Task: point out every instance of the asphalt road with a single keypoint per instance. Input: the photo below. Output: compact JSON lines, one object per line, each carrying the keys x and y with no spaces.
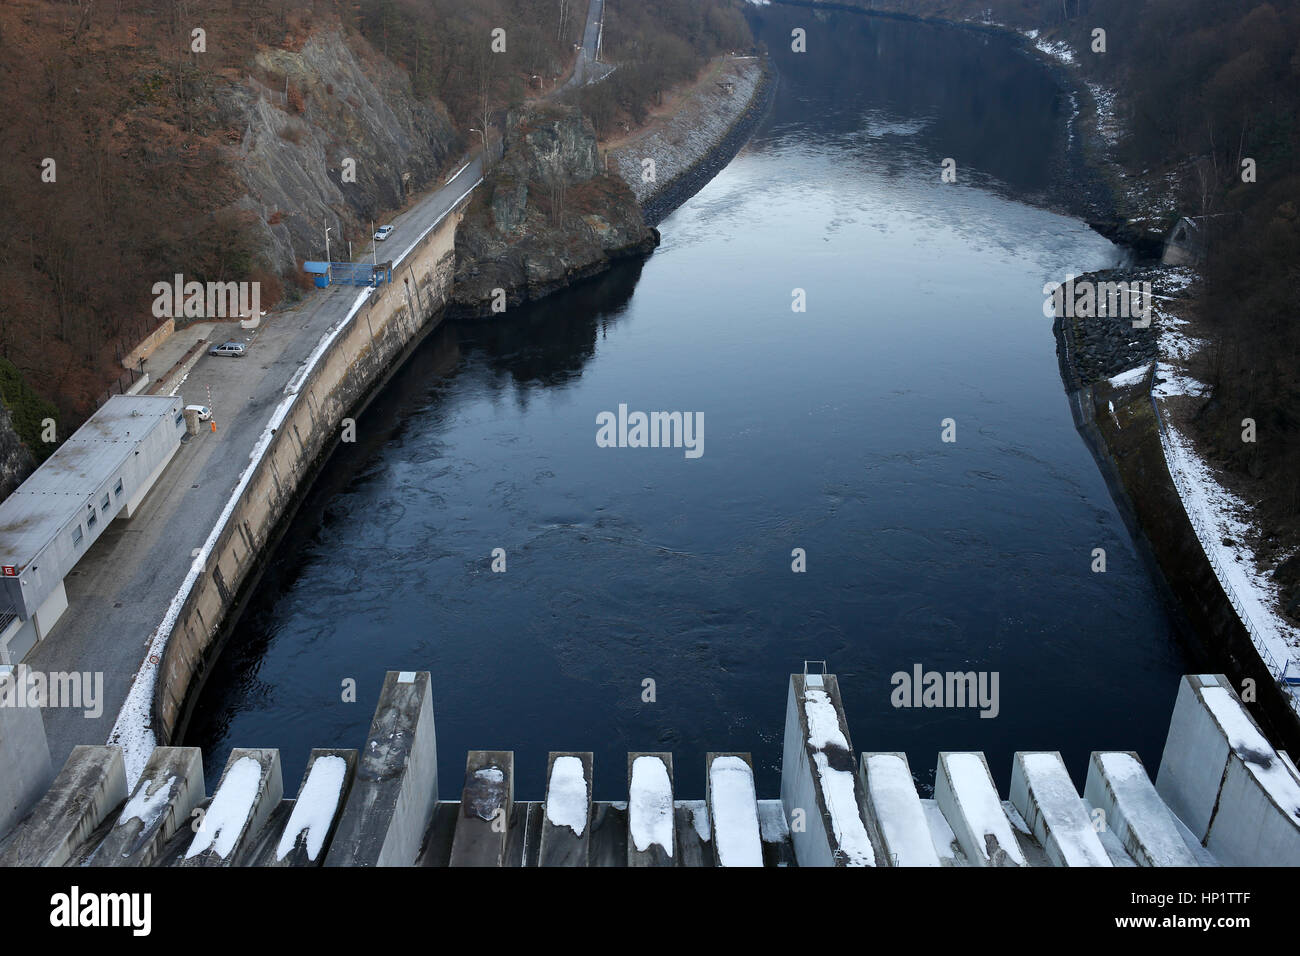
{"x":119,"y":592}
{"x":586,"y":69}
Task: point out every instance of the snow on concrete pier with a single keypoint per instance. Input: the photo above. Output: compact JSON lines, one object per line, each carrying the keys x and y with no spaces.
{"x":1223,"y":795}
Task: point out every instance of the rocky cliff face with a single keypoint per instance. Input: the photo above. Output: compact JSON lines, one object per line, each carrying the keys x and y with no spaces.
{"x":306,"y":113}
{"x":546,"y":217}
{"x":16,"y":462}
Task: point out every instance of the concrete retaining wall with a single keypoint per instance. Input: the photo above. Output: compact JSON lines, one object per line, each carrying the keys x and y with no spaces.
{"x":150,"y":342}
{"x":353,"y":363}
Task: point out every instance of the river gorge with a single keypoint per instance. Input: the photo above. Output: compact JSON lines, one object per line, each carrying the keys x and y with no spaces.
{"x":891,"y":480}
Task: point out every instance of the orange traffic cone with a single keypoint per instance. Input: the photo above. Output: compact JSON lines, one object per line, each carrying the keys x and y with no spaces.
{"x":214,"y":425}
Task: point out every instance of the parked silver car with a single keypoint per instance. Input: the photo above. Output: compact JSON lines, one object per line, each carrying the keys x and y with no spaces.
{"x":233,"y":349}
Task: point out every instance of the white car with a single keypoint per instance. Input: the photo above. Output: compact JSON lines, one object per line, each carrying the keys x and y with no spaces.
{"x":205,"y":413}
{"x":383,"y":233}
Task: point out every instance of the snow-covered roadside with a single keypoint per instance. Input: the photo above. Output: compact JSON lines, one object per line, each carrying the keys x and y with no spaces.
{"x":1220,"y":518}
{"x":1223,"y":525}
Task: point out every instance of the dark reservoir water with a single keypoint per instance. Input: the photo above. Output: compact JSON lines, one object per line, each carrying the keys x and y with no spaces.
{"x":822,"y":432}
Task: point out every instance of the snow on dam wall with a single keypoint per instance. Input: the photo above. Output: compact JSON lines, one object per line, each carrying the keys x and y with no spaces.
{"x":1239,"y":797}
{"x":1225,"y":797}
{"x":350,"y":363}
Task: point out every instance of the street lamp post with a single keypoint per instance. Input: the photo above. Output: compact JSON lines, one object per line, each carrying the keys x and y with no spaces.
{"x":483,"y":133}
{"x":329,"y":269}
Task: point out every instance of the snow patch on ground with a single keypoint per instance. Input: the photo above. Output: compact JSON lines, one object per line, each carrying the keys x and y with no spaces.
{"x":147,"y":804}
{"x":650,"y":805}
{"x":314,"y":810}
{"x":1222,"y":524}
{"x":566,"y":796}
{"x":735,"y":812}
{"x":229,"y":810}
{"x":1130,"y":378}
{"x":823,"y":721}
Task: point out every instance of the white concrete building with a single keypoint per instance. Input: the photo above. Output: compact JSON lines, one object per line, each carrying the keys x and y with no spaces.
{"x":51,"y":520}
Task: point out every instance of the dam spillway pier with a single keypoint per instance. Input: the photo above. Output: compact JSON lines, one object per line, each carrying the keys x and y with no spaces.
{"x":1222,"y":796}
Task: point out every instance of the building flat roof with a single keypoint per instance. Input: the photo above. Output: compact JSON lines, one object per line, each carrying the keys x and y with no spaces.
{"x":56,"y":492}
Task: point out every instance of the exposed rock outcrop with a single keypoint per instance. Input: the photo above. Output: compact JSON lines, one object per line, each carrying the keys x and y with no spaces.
{"x":330,"y":107}
{"x":546,"y":217}
{"x":16,"y":462}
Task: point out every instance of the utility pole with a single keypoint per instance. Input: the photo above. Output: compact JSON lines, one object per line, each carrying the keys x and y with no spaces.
{"x":329,"y":268}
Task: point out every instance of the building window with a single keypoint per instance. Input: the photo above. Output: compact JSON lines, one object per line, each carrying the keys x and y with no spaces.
{"x":91,"y":521}
{"x":117,"y":489}
{"x":76,"y":535}
{"x":103,"y":505}
{"x":180,"y":419}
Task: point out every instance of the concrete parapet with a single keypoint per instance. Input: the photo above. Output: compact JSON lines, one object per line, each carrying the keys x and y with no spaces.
{"x":90,"y":787}
{"x":1118,"y":785}
{"x":733,"y":809}
{"x":964,"y":791}
{"x":306,"y":835}
{"x":24,"y":754}
{"x":652,"y":839}
{"x":396,"y":786}
{"x":486,"y":805}
{"x":164,"y":797}
{"x":895,"y":810}
{"x":566,"y":820}
{"x":819,"y":778}
{"x":1042,"y":791}
{"x":1225,"y":781}
{"x":251,"y":788}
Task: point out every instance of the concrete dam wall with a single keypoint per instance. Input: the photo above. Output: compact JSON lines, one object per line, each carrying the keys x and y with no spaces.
{"x":344,"y":370}
{"x":1223,"y":796}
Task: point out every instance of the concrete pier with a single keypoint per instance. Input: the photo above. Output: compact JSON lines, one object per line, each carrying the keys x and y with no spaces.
{"x":1225,"y":781}
{"x":819,"y":778}
{"x":733,"y":810}
{"x":566,"y":821}
{"x":652,"y":836}
{"x":1118,"y":785}
{"x":251,"y":788}
{"x":486,"y":805}
{"x":24,"y":754}
{"x":964,"y":791}
{"x":313,"y":818}
{"x":396,"y":786}
{"x":160,"y":805}
{"x":90,"y":787}
{"x":379,"y":806}
{"x":896,"y":812}
{"x":1042,"y":791}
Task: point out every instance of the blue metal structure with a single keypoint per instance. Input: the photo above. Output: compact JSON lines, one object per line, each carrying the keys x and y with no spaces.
{"x":350,"y":273}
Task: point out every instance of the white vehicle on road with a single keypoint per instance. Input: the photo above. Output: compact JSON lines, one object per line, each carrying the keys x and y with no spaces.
{"x":204,"y":413}
{"x":383,"y":233}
